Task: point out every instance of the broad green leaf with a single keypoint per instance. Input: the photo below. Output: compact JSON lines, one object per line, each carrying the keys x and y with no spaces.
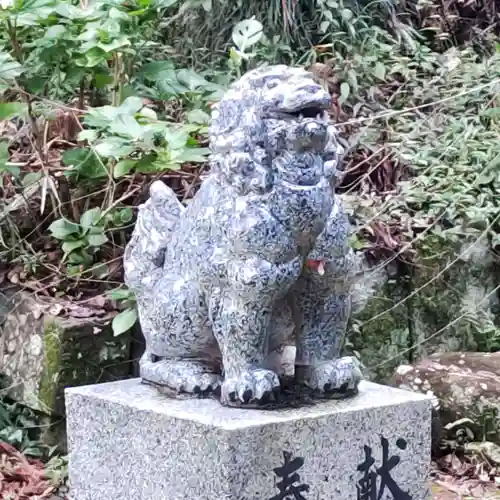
{"x":82,"y":257}
{"x":176,"y":138}
{"x":198,"y":116}
{"x":62,"y":229}
{"x":100,"y":117}
{"x":126,"y":125}
{"x":33,"y":5}
{"x":379,"y":71}
{"x":126,"y":214}
{"x":191,"y":79}
{"x":9,"y":68}
{"x":114,"y":45}
{"x":97,"y":240}
{"x":146,"y":163}
{"x":87,"y":135}
{"x":345,"y":90}
{"x":55,"y":31}
{"x":31,"y":177}
{"x":92,"y":58}
{"x":123,"y":167}
{"x":13,"y":170}
{"x":120,"y":294}
{"x":83,"y":162}
{"x":11,"y":109}
{"x":65,"y":9}
{"x":114,"y":147}
{"x":91,"y":217}
{"x":169,"y":84}
{"x":115,"y":13}
{"x":247,"y":33}
{"x":69,"y":246}
{"x":190,"y":155}
{"x":131,"y":105}
{"x":102,"y":79}
{"x":124,"y":321}
{"x":152,"y":71}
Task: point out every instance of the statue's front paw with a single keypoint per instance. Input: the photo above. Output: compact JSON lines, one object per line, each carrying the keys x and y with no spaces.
{"x":337,"y":377}
{"x":250,"y":386}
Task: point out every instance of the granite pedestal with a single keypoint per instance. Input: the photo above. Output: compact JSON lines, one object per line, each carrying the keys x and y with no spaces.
{"x":128,"y":442}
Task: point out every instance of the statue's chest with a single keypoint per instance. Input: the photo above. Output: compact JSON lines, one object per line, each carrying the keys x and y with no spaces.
{"x":302,"y":210}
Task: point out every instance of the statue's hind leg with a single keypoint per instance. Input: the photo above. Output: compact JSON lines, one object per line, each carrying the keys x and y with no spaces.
{"x":182,"y":354}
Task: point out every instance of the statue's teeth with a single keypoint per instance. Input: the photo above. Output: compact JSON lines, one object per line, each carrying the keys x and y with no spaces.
{"x":321,"y":268}
{"x":301,"y":116}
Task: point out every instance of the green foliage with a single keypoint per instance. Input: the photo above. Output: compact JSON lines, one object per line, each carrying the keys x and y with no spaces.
{"x":58,"y":46}
{"x":20,"y":427}
{"x":453,"y":149}
{"x":82,"y":241}
{"x":126,"y":318}
{"x":130,"y":137}
{"x":53,"y":49}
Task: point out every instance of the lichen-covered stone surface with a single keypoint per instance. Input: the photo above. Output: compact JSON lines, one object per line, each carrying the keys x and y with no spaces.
{"x":462,"y":385}
{"x":258,"y":260}
{"x":42,"y":351}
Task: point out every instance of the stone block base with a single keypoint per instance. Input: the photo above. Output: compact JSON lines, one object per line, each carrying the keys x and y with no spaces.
{"x":127,"y":441}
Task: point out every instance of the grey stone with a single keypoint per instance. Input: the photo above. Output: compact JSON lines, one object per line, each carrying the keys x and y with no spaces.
{"x":258,"y":260}
{"x":127,"y":441}
{"x":43,"y":350}
{"x":462,"y":385}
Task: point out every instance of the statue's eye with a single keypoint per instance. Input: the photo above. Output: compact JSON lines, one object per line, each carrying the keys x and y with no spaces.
{"x":272,"y":83}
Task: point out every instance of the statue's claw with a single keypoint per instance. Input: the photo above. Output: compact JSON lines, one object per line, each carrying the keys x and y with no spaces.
{"x":181,"y":376}
{"x":251,"y":386}
{"x":340,"y":376}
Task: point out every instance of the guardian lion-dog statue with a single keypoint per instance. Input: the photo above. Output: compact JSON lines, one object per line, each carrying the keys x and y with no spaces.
{"x":257,"y":260}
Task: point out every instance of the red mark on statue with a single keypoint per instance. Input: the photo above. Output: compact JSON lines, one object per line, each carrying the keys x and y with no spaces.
{"x":316,"y":265}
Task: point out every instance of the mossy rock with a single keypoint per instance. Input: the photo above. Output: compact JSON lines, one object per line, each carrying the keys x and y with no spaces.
{"x":42,"y":353}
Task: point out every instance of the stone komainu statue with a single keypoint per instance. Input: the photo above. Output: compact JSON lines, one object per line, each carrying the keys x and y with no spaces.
{"x":259,"y":259}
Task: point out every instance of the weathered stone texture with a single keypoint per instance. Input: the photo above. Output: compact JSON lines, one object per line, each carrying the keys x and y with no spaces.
{"x":260,"y":257}
{"x":42,"y":353}
{"x":462,"y":385}
{"x":127,"y":441}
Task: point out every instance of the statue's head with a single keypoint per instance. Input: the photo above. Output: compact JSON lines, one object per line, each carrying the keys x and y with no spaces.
{"x":269,"y":114}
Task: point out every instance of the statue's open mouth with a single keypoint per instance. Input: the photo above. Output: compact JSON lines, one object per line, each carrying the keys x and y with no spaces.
{"x":311,"y":111}
{"x":308,"y":112}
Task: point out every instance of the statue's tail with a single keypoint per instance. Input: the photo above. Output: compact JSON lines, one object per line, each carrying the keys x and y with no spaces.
{"x":157,"y":219}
